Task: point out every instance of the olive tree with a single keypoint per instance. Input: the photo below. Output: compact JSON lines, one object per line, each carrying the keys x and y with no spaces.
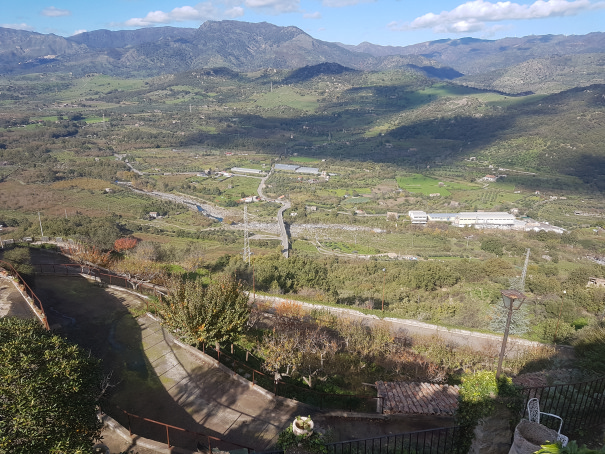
{"x":48,"y":391}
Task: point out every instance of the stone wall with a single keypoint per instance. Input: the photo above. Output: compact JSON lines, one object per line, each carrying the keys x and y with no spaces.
{"x":493,"y":435}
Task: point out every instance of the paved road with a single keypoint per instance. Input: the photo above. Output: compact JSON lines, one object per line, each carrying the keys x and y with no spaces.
{"x":488,"y":343}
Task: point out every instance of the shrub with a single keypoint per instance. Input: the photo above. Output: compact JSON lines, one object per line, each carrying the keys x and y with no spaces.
{"x":590,"y":346}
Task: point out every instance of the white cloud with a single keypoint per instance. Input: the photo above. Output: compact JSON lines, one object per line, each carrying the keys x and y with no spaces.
{"x":51,"y":11}
{"x":274,"y":6}
{"x":77,"y":32}
{"x":473,"y":15}
{"x":315,"y":15}
{"x":236,"y":11}
{"x":199,"y":12}
{"x":22,"y":26}
{"x":341,"y":3}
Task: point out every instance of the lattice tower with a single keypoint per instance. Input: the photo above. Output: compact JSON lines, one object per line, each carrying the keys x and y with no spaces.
{"x":246,"y":254}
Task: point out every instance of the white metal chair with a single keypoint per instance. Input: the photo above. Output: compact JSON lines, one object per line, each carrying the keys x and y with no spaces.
{"x":533,"y":412}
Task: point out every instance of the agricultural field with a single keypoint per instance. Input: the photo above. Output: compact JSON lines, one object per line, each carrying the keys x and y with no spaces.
{"x":387,"y":141}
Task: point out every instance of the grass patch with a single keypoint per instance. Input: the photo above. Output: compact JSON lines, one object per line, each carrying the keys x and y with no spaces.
{"x":287,"y":96}
{"x":349,"y":248}
{"x":422,"y":185}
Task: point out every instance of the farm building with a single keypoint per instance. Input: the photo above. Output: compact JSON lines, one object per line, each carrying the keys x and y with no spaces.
{"x":418,"y":217}
{"x":595,"y":282}
{"x":484,"y":218}
{"x":245,"y":170}
{"x":442,"y":217}
{"x":286,"y":167}
{"x":491,"y":178}
{"x":312,"y":170}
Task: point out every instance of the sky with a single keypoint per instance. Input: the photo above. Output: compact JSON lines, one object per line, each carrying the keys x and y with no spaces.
{"x":384,"y":22}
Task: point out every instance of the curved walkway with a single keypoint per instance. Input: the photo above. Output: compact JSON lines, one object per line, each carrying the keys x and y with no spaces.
{"x":218,"y":400}
{"x":155,"y":375}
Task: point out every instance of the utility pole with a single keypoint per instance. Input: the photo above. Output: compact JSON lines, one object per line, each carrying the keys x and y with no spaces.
{"x":524,"y":274}
{"x":40,"y":221}
{"x":384,"y":277}
{"x":560,"y":312}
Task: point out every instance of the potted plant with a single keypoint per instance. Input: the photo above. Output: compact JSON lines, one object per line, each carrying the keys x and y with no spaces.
{"x":302,"y":425}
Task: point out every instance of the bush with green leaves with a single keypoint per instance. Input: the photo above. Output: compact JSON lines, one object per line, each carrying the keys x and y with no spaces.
{"x":493,"y":245}
{"x":214,"y":313}
{"x":479,"y":393}
{"x":571,"y":448}
{"x":315,"y":442}
{"x":590,"y":346}
{"x":49,"y":390}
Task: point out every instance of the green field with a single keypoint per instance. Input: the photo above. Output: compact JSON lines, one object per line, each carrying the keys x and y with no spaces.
{"x":304,"y":160}
{"x":286,"y":96}
{"x":422,"y":185}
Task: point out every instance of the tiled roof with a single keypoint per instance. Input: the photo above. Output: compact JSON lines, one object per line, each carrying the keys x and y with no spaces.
{"x":417,"y":398}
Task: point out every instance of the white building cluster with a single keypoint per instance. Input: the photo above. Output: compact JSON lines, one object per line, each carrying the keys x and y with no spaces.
{"x":481,"y":219}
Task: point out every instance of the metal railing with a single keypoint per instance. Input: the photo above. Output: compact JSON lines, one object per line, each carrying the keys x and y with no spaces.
{"x":102,"y":276}
{"x":434,"y":441}
{"x":206,"y":441}
{"x":27,"y":289}
{"x":349,"y":402}
{"x":581,"y":405}
{"x":322,"y":400}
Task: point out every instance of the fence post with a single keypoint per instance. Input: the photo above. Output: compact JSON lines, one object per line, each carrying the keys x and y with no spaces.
{"x":168,"y":437}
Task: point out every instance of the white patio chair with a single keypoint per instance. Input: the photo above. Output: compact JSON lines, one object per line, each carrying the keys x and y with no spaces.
{"x":533,"y":412}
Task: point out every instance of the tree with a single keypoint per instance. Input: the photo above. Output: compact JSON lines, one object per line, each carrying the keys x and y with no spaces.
{"x":492,"y":245}
{"x":432,"y":275}
{"x":124,"y":244}
{"x":138,"y":271}
{"x":49,"y":391}
{"x":20,"y":259}
{"x":281,"y":352}
{"x":217,"y":313}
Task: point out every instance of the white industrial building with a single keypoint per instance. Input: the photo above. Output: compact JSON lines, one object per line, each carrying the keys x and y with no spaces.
{"x":493,"y":219}
{"x":484,"y":218}
{"x":418,"y":217}
{"x":442,"y":217}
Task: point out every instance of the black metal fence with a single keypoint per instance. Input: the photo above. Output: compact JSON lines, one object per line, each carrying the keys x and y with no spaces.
{"x":246,"y":364}
{"x":434,"y":441}
{"x":581,"y":405}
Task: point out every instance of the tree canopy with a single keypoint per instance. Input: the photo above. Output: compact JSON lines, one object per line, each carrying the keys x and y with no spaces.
{"x":49,"y":391}
{"x":216,"y":313}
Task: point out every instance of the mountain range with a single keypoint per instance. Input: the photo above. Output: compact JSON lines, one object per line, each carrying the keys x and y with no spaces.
{"x":511,"y":64}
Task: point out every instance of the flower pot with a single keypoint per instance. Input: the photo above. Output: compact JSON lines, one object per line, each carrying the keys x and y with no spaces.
{"x":303,"y":425}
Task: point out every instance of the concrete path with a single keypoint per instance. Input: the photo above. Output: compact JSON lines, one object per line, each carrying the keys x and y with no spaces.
{"x":193,"y":390}
{"x":216,"y":398}
{"x":12,"y":303}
